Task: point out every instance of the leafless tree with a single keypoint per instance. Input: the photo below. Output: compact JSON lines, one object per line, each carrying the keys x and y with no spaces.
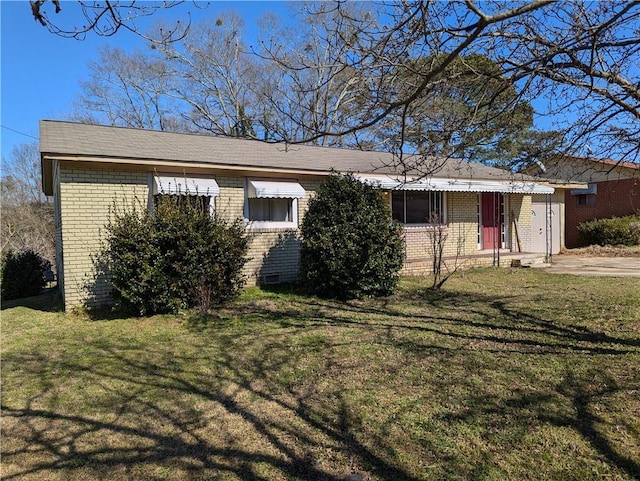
{"x":205,"y":83}
{"x":27,"y":216}
{"x":215,"y":78}
{"x":442,"y":269}
{"x":582,"y":57}
{"x":106,"y":18}
{"x":311,"y":85}
{"x":129,"y":90}
{"x":576,"y":60}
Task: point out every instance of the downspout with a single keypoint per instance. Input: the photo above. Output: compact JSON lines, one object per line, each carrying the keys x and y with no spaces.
{"x":548,"y":236}
{"x":496,"y":222}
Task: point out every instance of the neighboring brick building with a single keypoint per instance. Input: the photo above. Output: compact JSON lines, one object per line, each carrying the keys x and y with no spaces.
{"x":91,"y":169}
{"x":613,"y":190}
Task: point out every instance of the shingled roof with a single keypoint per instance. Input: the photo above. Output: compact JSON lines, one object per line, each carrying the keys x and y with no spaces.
{"x":76,"y":141}
{"x":68,"y":138}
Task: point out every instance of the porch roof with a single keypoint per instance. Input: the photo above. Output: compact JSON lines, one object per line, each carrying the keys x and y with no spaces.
{"x":513,"y":186}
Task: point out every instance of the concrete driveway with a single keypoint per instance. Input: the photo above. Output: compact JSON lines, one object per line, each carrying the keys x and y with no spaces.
{"x":596,"y":266}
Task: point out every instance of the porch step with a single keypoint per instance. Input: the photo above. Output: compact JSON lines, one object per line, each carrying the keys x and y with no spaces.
{"x":530,"y":260}
{"x":510,"y":259}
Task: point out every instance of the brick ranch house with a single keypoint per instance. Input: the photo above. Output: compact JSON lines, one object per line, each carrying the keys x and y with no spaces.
{"x":612,"y":189}
{"x":88,"y":167}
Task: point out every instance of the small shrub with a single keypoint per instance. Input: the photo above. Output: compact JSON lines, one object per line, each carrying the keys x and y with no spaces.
{"x":22,"y":274}
{"x":634,"y":228}
{"x":351,"y":248}
{"x":611,"y":231}
{"x":177,"y":257}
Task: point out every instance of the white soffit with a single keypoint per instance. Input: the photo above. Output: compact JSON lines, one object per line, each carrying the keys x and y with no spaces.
{"x":275,"y":189}
{"x":169,"y":184}
{"x":457,"y":185}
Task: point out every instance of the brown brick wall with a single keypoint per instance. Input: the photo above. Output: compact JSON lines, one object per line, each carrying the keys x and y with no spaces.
{"x":614,"y":198}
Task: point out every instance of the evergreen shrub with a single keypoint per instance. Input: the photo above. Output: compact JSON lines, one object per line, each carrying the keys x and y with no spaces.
{"x":611,"y":231}
{"x":177,"y":257}
{"x":22,"y":274}
{"x":351,"y":248}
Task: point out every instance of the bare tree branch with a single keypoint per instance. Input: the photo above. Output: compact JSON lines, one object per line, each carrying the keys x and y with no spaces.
{"x":365,"y":74}
{"x":107,"y":18}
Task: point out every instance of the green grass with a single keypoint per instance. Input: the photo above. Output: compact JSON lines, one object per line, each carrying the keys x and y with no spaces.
{"x":503,"y":375}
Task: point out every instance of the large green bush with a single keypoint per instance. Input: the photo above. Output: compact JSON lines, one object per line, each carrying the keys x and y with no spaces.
{"x":351,"y":248}
{"x":611,"y":231}
{"x":177,"y":257}
{"x":22,"y":274}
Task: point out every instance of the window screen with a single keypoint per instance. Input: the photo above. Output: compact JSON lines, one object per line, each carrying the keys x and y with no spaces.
{"x":417,"y":207}
{"x":272,"y":210}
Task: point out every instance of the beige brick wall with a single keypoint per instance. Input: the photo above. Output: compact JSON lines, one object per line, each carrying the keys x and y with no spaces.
{"x":461,"y":230}
{"x":86,"y":197}
{"x":274,"y":254}
{"x":57,"y":223}
{"x":519,"y":210}
{"x":230,"y":203}
{"x":462,"y":234}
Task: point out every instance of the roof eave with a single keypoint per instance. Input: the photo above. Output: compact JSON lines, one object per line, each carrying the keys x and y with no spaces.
{"x":181,"y":164}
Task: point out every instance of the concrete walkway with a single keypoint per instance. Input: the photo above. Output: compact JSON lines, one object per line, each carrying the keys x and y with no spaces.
{"x":596,"y":266}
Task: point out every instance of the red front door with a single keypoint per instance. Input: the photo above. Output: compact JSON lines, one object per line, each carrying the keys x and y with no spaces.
{"x":492,"y":205}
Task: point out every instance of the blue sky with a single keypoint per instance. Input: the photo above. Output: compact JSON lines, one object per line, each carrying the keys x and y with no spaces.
{"x":40,"y":72}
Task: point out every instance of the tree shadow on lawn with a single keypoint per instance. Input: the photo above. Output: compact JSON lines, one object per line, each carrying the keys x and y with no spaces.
{"x":575,"y":403}
{"x":244,"y":417}
{"x":49,"y":300}
{"x":289,"y":429}
{"x":497,"y":323}
{"x":236,"y":426}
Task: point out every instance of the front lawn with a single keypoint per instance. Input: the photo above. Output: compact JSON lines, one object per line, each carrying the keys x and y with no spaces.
{"x":503,"y":375}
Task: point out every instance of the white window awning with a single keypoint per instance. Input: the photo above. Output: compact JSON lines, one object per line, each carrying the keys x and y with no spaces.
{"x":275,"y":189}
{"x":176,"y":184}
{"x":458,"y":185}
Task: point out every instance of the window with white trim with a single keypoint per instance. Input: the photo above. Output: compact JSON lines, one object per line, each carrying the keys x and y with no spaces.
{"x":272,"y":203}
{"x":417,"y":207}
{"x":195,"y":191}
{"x":270,"y":210}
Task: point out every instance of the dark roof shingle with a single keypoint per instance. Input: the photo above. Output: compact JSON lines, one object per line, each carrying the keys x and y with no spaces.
{"x":68,"y":138}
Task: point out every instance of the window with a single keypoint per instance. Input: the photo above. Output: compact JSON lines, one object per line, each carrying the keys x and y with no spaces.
{"x":586,"y":199}
{"x":272,"y":203}
{"x":202,"y":202}
{"x":197,"y":191}
{"x":586,"y":196}
{"x":417,"y":207}
{"x":273,"y":210}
